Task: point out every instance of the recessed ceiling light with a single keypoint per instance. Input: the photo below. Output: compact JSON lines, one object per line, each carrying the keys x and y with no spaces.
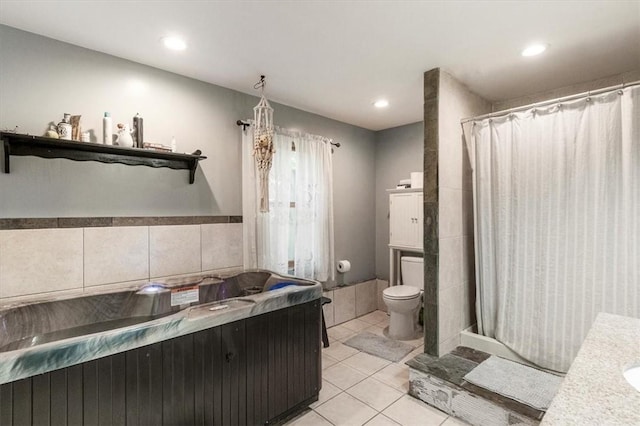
{"x":174,"y":43}
{"x":534,"y":49}
{"x":381,"y":103}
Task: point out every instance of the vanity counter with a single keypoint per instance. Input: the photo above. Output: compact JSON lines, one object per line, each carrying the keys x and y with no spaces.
{"x":595,"y":392}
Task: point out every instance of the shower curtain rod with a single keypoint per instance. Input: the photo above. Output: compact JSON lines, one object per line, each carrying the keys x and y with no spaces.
{"x":246,"y":124}
{"x":551,"y":101}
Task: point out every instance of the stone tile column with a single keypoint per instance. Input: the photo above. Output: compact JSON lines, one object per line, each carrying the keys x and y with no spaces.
{"x":431,"y":92}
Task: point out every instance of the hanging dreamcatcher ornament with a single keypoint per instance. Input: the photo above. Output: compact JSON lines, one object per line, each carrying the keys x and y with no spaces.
{"x":263,"y":149}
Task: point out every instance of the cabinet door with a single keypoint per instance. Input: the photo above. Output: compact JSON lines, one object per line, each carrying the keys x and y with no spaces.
{"x":401,"y":220}
{"x":419,"y":215}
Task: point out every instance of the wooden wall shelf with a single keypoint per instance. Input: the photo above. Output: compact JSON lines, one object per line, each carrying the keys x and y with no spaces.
{"x":21,"y":145}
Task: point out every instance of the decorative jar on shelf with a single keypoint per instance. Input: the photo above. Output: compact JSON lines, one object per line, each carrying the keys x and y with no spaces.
{"x":64,"y":127}
{"x":124,"y":136}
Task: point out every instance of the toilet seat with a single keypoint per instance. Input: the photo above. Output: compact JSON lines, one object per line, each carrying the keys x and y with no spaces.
{"x":401,"y":292}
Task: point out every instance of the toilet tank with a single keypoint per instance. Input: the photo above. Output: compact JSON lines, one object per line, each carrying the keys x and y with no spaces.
{"x":412,"y":271}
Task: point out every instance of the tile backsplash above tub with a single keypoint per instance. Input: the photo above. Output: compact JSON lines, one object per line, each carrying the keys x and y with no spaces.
{"x":52,"y":259}
{"x":115,"y":254}
{"x":38,"y":260}
{"x":350,"y":302}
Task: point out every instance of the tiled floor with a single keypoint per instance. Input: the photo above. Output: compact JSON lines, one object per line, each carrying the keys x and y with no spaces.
{"x":359,"y":389}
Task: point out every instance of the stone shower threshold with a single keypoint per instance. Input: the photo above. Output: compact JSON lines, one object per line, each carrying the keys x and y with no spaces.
{"x":447,"y":373}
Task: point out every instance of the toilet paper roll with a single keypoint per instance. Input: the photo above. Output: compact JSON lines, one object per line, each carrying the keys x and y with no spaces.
{"x":344,"y":266}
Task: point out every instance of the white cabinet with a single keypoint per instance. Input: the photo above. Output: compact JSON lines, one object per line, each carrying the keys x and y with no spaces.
{"x":405,"y":219}
{"x":405,"y":227}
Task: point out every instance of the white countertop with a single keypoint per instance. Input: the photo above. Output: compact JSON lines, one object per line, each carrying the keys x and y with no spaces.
{"x":595,"y":392}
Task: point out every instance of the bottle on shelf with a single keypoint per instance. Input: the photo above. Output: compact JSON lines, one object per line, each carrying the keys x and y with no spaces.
{"x":64,"y":127}
{"x":107,"y":129}
{"x":138,"y":131}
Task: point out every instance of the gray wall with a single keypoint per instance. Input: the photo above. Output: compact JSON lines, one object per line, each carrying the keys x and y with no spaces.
{"x":398,"y":153}
{"x":40,"y":79}
{"x":585,"y":86}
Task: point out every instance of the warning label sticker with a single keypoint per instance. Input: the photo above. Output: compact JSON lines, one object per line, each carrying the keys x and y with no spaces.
{"x":184,"y":295}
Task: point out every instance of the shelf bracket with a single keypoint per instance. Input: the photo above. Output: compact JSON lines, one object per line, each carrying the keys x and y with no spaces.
{"x":192,"y":171}
{"x":7,"y":154}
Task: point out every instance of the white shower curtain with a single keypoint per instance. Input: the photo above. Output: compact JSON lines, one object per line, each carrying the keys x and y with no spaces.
{"x":302,"y":178}
{"x":557,"y":215}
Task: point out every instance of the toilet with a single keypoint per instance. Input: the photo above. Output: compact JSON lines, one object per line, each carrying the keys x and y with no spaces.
{"x":403,"y":301}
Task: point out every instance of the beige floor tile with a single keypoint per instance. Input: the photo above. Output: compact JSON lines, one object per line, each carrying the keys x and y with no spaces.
{"x":340,"y":332}
{"x":327,"y":392}
{"x":365,"y":363}
{"x":384,"y":322}
{"x":375,"y":394}
{"x":356,"y":325}
{"x":346,"y":410}
{"x":374,"y":317}
{"x":396,"y":375}
{"x":339,"y":351}
{"x":343,"y":376}
{"x":408,"y":411}
{"x":328,"y":361}
{"x":419,"y":342}
{"x":308,"y":418}
{"x":381,"y":420}
{"x":452,"y":421}
{"x":419,"y":350}
{"x":376,"y":330}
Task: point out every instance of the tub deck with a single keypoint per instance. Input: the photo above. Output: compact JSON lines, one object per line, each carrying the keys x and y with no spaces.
{"x":47,"y":335}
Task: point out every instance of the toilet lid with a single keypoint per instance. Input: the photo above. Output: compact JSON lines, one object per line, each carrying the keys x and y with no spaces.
{"x":401,"y":292}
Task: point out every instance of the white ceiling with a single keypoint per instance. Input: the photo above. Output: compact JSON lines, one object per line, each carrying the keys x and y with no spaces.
{"x":334,"y":58}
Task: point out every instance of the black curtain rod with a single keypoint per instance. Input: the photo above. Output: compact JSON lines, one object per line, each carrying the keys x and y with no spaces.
{"x":246,"y":124}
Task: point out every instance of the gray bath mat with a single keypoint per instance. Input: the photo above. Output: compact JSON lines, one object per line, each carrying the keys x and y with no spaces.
{"x":380,"y":346}
{"x":524,"y":384}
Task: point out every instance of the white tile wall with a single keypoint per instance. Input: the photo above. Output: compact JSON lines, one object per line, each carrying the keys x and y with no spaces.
{"x":382,"y":284}
{"x":450,"y":215}
{"x":450,"y":312}
{"x":350,"y":301}
{"x":455,"y":210}
{"x":328,"y":309}
{"x":366,"y":297}
{"x":221,"y":245}
{"x":40,"y":260}
{"x":174,"y":250}
{"x":449,"y":262}
{"x":344,"y":299}
{"x":467,"y":303}
{"x":36,"y":261}
{"x":116,"y":254}
{"x":62,"y":260}
{"x":468,"y":261}
{"x":449,"y":345}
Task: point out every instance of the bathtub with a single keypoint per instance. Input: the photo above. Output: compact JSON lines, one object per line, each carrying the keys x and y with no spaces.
{"x":214,"y":349}
{"x":29,"y":324}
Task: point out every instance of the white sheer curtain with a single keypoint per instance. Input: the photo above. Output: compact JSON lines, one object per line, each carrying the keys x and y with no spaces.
{"x":299,"y":224}
{"x":557,"y":200}
{"x":314,"y":256}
